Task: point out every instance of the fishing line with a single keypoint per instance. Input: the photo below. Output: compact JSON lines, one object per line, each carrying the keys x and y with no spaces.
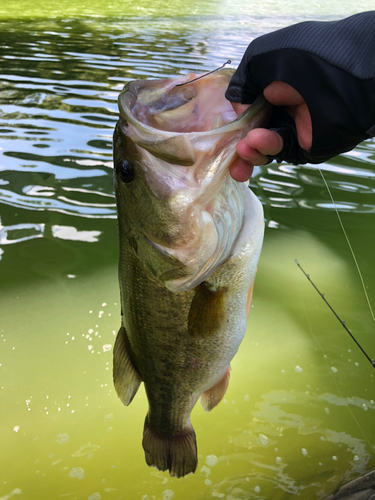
{"x":372,"y":361}
{"x":351,"y":249}
{"x":206,"y":74}
{"x":335,"y":382}
{"x":341,"y":321}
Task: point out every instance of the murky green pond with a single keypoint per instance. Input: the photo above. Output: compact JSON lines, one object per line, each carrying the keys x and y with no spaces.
{"x":299,"y":416}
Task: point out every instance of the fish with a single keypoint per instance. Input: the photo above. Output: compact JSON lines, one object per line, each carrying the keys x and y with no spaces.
{"x":190,"y":238}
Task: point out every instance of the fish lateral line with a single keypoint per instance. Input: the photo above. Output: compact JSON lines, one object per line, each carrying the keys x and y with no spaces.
{"x":206,"y":74}
{"x":372,"y":361}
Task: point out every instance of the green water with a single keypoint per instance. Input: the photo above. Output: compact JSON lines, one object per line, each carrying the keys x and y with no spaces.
{"x":298,"y":417}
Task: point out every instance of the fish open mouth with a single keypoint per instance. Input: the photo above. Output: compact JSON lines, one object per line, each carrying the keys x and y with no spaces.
{"x":175,"y":122}
{"x":183,"y":108}
{"x":186,"y":136}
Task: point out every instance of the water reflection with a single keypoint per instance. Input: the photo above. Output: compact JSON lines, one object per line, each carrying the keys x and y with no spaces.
{"x":20,"y":232}
{"x":62,"y":101}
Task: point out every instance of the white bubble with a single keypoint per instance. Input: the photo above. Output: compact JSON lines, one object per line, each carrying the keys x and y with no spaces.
{"x":104,"y":304}
{"x":334,"y":457}
{"x":16,"y":491}
{"x":62,"y":438}
{"x":334,"y":369}
{"x":86,"y":449}
{"x":94,"y":496}
{"x":263,"y":439}
{"x":107,"y":347}
{"x":298,"y":369}
{"x":304,"y":451}
{"x":278,"y":460}
{"x":356,"y":458}
{"x":168,"y":494}
{"x":211,"y":460}
{"x":77,"y":472}
{"x":257,"y":489}
{"x":246,"y":397}
{"x":16,"y":428}
{"x":89,"y":347}
{"x":206,"y":470}
{"x":364,"y":406}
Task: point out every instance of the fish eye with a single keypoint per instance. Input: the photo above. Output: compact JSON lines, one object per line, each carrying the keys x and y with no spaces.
{"x":126,"y":171}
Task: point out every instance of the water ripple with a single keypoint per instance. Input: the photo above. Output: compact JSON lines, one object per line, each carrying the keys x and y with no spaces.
{"x":58,"y":110}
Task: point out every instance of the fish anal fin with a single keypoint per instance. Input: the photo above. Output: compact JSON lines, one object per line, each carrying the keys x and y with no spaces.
{"x":213,"y":396}
{"x":207,"y":311}
{"x":126,"y":378}
{"x":175,"y":453}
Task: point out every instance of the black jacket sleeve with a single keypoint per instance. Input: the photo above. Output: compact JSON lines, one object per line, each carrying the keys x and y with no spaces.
{"x":332,"y":65}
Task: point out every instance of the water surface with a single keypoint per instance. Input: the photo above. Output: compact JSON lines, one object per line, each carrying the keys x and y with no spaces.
{"x":298,"y":418}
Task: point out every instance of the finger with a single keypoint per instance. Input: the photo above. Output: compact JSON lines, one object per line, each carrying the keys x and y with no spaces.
{"x":265,"y":142}
{"x":240,"y":170}
{"x":252,"y":155}
{"x":282,"y":94}
{"x":302,"y":118}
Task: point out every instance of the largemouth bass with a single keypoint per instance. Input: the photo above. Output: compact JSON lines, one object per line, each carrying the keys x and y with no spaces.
{"x":190,"y":240}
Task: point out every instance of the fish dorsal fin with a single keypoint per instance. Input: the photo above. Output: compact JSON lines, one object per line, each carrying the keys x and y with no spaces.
{"x":177,"y":149}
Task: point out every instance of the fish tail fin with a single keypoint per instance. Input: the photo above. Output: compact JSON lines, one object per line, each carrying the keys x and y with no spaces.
{"x":126,"y":378}
{"x":177,"y":453}
{"x":213,"y":396}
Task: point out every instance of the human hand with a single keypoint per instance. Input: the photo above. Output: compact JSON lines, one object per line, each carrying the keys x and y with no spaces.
{"x":260,"y":143}
{"x":320,"y":78}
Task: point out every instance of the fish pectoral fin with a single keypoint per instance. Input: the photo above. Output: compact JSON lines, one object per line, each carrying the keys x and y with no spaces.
{"x":126,"y":378}
{"x":207,"y":311}
{"x":213,"y":396}
{"x":176,"y":453}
